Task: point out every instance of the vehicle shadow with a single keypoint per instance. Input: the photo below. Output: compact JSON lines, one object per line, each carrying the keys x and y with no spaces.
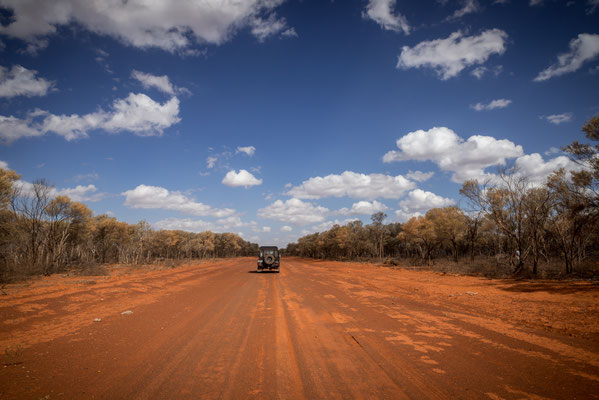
{"x":253,"y":271}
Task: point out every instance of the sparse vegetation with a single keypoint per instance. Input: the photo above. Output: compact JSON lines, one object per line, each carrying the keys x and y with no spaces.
{"x":507,"y":226}
{"x":44,"y":235}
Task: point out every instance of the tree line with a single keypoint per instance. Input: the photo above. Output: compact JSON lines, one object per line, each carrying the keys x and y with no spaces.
{"x":45,"y":234}
{"x":508,"y":218}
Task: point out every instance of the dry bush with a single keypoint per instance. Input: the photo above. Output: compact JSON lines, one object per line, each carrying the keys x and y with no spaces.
{"x":90,"y":269}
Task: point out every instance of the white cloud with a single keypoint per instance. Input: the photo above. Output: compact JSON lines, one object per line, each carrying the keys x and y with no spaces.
{"x":420,"y":200}
{"x":78,"y":193}
{"x":536,"y":170}
{"x":241,"y":178}
{"x":294,"y":211}
{"x":163,"y":24}
{"x":363,"y":208}
{"x":81,"y":193}
{"x":449,"y":56}
{"x":469,"y":6}
{"x":403,"y":216}
{"x":289,"y":33}
{"x":266,"y":229}
{"x":557,"y":119}
{"x":325,"y":226}
{"x":419,"y":175}
{"x":249,"y":150}
{"x":582,"y":49}
{"x":381,"y":12}
{"x":20,"y":81}
{"x":353,"y":185}
{"x":552,"y":150}
{"x":230,"y":222}
{"x":12,"y":128}
{"x":141,"y":115}
{"x":184,"y":224}
{"x":499,"y":103}
{"x":86,"y":177}
{"x":210,"y":161}
{"x":155,"y":197}
{"x":197,"y":225}
{"x":593,"y":5}
{"x":286,"y":228}
{"x":3,"y":164}
{"x":466,"y":159}
{"x":262,"y":28}
{"x":161,"y":83}
{"x":480,"y":71}
{"x":136,"y":113}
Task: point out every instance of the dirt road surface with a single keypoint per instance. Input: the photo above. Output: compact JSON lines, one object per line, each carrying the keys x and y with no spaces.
{"x":317,"y":330}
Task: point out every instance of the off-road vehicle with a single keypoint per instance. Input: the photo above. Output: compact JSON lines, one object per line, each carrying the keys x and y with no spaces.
{"x":268,"y":259}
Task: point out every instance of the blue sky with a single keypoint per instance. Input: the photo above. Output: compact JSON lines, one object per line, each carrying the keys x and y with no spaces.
{"x":274,"y":118}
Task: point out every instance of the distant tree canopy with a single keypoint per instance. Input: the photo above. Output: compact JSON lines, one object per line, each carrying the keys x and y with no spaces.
{"x":41,"y":234}
{"x":525,"y":222}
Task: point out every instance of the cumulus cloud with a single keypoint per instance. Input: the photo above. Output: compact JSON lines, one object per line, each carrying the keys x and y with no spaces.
{"x":79,"y":193}
{"x":420,"y":200}
{"x":449,"y":56}
{"x":419,"y":175}
{"x":466,"y":159}
{"x":161,"y":83}
{"x":499,"y":103}
{"x":184,"y":224}
{"x":352,"y":184}
{"x":582,"y":49}
{"x":286,"y":228}
{"x":12,"y":128}
{"x":294,"y":211}
{"x":324,"y":226}
{"x":381,"y":12}
{"x":249,"y":150}
{"x":241,"y":178}
{"x":156,"y":197}
{"x":363,"y":208}
{"x":20,"y":81}
{"x":536,"y":170}
{"x":3,"y":164}
{"x":137,"y":113}
{"x":468,"y":7}
{"x":167,"y":25}
{"x":557,"y":119}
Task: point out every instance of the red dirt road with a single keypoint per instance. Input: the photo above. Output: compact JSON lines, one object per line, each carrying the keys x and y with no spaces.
{"x":316,"y":330}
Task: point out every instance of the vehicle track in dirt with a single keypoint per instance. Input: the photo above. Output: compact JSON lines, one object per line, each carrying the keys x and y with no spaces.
{"x":316,"y":330}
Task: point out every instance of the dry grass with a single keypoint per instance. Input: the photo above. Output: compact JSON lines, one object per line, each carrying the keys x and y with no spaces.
{"x":497,"y":267}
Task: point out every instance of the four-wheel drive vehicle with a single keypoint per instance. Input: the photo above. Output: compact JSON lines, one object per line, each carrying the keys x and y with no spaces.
{"x":268,"y":259}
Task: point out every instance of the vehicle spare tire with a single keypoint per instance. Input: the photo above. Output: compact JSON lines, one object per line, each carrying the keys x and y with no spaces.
{"x":269,"y":259}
